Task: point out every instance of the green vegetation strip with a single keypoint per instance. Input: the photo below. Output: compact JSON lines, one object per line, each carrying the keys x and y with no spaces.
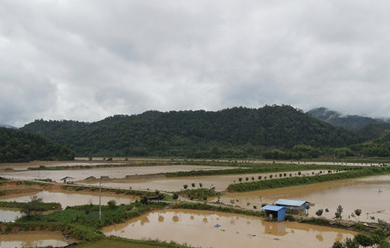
{"x":293,"y":181}
{"x":125,"y":243}
{"x":261,"y":168}
{"x":208,"y":207}
{"x":38,"y":206}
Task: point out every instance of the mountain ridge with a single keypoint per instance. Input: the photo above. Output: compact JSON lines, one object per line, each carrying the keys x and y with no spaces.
{"x":237,"y":131}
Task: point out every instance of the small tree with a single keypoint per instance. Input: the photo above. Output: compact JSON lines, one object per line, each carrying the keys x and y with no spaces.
{"x":358,"y":212}
{"x":111,"y":204}
{"x":259,"y":177}
{"x":200,"y":185}
{"x":185,"y":186}
{"x":337,"y":244}
{"x":319,"y":212}
{"x":364,"y":240}
{"x":193,"y":185}
{"x":351,"y":243}
{"x":338,"y":213}
{"x":30,"y":208}
{"x":240,"y":179}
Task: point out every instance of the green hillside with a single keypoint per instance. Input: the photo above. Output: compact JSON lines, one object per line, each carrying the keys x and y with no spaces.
{"x":235,"y":132}
{"x":18,"y":146}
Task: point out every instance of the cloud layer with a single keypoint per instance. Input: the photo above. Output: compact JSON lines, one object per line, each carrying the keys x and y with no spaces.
{"x":86,"y":60}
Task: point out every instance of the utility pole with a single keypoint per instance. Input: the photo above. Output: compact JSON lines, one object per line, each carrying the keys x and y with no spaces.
{"x":100,"y":200}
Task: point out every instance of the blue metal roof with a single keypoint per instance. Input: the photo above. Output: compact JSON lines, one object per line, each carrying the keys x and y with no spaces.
{"x":272,"y":208}
{"x":288,"y":202}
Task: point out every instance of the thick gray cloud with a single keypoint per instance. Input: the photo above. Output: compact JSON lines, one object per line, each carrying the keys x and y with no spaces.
{"x":86,"y":60}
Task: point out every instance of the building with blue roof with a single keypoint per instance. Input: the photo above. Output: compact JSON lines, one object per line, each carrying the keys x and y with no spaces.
{"x":274,"y":212}
{"x":293,"y":206}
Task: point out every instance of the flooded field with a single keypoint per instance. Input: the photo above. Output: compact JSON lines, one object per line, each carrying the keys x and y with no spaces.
{"x":69,"y":199}
{"x":370,"y":194}
{"x":220,"y":182}
{"x":32,"y":240}
{"x":7,"y":215}
{"x":198,"y":228}
{"x":111,"y":172}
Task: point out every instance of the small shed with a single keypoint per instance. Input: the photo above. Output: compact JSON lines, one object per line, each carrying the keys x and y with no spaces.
{"x":293,"y":206}
{"x":68,"y":180}
{"x":274,"y":212}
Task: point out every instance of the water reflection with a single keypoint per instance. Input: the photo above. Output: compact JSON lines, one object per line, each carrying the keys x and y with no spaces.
{"x":32,"y":240}
{"x":274,"y":228}
{"x":226,"y":230}
{"x":351,"y":194}
{"x":70,"y":199}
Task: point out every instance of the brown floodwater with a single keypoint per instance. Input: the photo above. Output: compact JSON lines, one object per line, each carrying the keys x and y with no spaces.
{"x":220,"y":182}
{"x":111,"y":172}
{"x":198,"y":228}
{"x":9,"y":215}
{"x":370,"y":194}
{"x":70,"y":199}
{"x":32,"y":240}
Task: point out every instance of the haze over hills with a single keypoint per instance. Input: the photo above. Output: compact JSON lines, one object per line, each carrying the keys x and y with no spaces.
{"x":7,"y":126}
{"x":349,"y":122}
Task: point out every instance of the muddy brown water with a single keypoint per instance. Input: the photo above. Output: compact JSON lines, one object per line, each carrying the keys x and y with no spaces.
{"x":198,"y":228}
{"x":370,"y":194}
{"x":69,"y":199}
{"x":111,"y":172}
{"x":220,"y":182}
{"x":9,"y":215}
{"x":38,"y":239}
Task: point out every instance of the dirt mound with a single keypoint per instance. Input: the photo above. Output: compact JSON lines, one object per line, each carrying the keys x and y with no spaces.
{"x":91,"y":178}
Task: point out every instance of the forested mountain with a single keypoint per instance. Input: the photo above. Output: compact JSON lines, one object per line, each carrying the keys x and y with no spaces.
{"x":234,"y":132}
{"x":19,"y":146}
{"x":349,"y":122}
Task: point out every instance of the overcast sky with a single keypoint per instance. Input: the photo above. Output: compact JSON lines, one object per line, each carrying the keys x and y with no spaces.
{"x":86,"y":60}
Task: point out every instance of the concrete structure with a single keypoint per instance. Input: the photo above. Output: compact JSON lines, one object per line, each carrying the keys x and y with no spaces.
{"x":274,"y":212}
{"x":293,"y":206}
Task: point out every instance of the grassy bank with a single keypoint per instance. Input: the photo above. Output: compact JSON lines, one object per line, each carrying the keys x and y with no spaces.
{"x":260,"y":168}
{"x":125,"y":243}
{"x":208,"y":207}
{"x":39,"y":206}
{"x":294,"y":181}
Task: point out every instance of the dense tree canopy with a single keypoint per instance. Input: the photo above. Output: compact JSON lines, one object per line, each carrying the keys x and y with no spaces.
{"x":18,"y":146}
{"x":235,"y":132}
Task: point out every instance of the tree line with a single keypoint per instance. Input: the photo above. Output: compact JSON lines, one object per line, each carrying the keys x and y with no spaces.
{"x":19,"y":146}
{"x":236,"y":132}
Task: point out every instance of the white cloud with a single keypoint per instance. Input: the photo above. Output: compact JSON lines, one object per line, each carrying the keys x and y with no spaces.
{"x":86,"y":60}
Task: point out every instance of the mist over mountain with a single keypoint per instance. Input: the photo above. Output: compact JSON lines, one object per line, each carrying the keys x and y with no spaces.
{"x":7,"y":126}
{"x":349,"y":122}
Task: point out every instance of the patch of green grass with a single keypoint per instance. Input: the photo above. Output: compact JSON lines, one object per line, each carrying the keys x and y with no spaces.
{"x":126,"y":243}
